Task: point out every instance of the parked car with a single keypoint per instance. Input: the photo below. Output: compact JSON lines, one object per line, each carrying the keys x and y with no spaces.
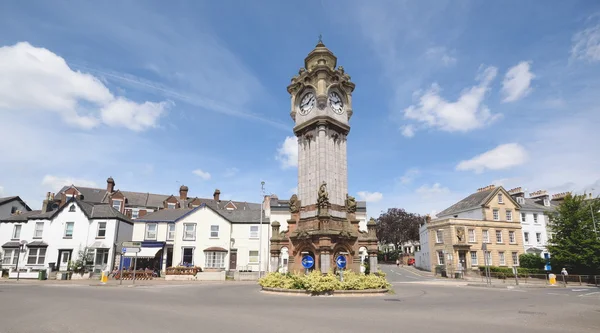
{"x":411,"y":261}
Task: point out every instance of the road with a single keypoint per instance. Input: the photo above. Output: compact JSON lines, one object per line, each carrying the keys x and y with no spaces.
{"x":241,"y":307}
{"x":404,"y":273}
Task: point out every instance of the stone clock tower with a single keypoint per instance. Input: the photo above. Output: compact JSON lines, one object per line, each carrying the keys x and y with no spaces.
{"x":323,"y":222}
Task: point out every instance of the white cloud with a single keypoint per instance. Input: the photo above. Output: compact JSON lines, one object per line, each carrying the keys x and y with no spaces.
{"x":432,"y":191}
{"x":370,"y":196}
{"x":230,"y":172}
{"x":409,"y":175}
{"x":202,"y":174}
{"x":287,"y":153}
{"x":442,"y":55}
{"x":408,"y":131}
{"x":55,"y":183}
{"x":502,"y":157}
{"x":35,"y":79}
{"x":586,"y":44}
{"x":517,"y":82}
{"x":465,"y":114}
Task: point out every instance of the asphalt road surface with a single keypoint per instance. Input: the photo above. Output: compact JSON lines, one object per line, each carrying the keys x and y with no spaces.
{"x":241,"y":307}
{"x":404,"y":273}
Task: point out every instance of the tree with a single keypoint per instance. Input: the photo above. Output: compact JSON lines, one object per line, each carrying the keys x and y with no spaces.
{"x":530,"y":260}
{"x":575,"y":244}
{"x":397,"y":226}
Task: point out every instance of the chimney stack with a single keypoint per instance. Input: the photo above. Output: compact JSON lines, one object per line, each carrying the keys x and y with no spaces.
{"x":216,"y":195}
{"x":46,"y":202}
{"x":110,"y":185}
{"x":489,"y":187}
{"x":517,"y":192}
{"x":183,"y":191}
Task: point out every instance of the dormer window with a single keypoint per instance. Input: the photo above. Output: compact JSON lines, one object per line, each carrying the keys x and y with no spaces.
{"x":546,"y":202}
{"x":521,"y":200}
{"x":170,"y":205}
{"x":117,"y":204}
{"x":500,"y":199}
{"x":72,"y":208}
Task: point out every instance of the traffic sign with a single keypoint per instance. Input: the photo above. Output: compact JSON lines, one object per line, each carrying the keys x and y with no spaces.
{"x":132,"y":244}
{"x":307,"y":261}
{"x":131,"y":250}
{"x":341,"y":262}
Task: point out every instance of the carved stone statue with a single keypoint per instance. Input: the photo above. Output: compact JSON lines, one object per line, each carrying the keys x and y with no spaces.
{"x":350,"y":204}
{"x":323,"y":198}
{"x":294,"y":204}
{"x":460,"y":234}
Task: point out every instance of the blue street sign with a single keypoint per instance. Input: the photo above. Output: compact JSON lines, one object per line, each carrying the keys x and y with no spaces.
{"x":124,"y":250}
{"x":307,"y":261}
{"x":341,"y":262}
{"x":548,"y":268}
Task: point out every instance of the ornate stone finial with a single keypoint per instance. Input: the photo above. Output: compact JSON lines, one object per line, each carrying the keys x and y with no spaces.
{"x":371,"y":222}
{"x":320,"y":39}
{"x":350,"y":204}
{"x":460,"y":234}
{"x":294,"y":204}
{"x":323,"y":198}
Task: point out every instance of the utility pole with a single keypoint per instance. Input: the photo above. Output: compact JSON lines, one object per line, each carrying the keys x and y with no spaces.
{"x":262,"y":202}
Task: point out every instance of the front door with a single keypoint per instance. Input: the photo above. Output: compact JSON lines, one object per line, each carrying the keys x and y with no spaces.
{"x":233,"y":260}
{"x":64,"y":256}
{"x":169,"y":257}
{"x":462,"y":259}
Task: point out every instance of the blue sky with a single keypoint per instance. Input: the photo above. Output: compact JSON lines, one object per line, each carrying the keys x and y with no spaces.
{"x":450,"y":96}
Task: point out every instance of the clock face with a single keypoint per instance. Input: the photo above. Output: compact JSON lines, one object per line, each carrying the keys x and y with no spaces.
{"x":307,"y":103}
{"x":335,"y":102}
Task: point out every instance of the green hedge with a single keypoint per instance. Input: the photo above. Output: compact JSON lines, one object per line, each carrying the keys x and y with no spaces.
{"x":507,"y":272}
{"x":316,"y":282}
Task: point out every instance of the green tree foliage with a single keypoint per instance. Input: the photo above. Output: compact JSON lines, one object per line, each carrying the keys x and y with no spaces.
{"x":575,"y":244}
{"x":530,"y":260}
{"x":397,"y":226}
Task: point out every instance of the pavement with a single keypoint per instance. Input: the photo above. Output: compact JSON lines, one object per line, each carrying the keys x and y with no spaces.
{"x":416,"y":304}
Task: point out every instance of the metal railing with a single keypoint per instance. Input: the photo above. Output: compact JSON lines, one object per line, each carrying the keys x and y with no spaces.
{"x":581,"y":280}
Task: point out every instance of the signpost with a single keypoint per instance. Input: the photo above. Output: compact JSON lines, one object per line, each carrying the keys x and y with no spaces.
{"x":341,"y":264}
{"x":307,"y":262}
{"x":131,"y":247}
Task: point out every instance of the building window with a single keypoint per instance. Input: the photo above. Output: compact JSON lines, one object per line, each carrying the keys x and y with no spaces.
{"x":471,"y":235}
{"x":135,"y":214}
{"x":509,"y":215}
{"x":485,"y":236}
{"x":72,"y":208}
{"x":439,"y":236}
{"x":538,"y":237}
{"x":253,"y":231}
{"x":16,"y":232}
{"x":171,"y":205}
{"x":101,"y":230}
{"x":523,"y":217}
{"x":189,"y":231}
{"x":151,"y":231}
{"x":496,"y":215}
{"x":253,"y":257}
{"x":500,"y":199}
{"x":502,"y":258}
{"x":13,"y":209}
{"x":69,"y":229}
{"x":488,"y":257}
{"x":101,"y":257}
{"x":215,"y":259}
{"x":515,"y":258}
{"x":474,"y":261}
{"x":440,"y":257}
{"x":36,"y":256}
{"x":546,"y":202}
{"x":117,"y":204}
{"x":39,"y":230}
{"x":521,"y":200}
{"x":526,"y":237}
{"x":214,"y":231}
{"x":171,"y":231}
{"x":498,"y":236}
{"x":535,"y":218}
{"x":188,"y":256}
{"x":10,"y":256}
{"x":511,"y":237}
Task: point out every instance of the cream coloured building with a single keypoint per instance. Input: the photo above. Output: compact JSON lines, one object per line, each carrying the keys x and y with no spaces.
{"x":456,"y":238}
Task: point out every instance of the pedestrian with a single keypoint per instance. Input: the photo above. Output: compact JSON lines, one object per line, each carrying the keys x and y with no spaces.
{"x":564,"y":274}
{"x":397,"y":262}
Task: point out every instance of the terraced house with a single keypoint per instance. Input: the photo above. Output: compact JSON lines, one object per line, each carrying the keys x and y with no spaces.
{"x":455,"y":239}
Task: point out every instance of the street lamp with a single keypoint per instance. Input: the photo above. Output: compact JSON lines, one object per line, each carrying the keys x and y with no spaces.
{"x":22,"y":247}
{"x":262,"y":201}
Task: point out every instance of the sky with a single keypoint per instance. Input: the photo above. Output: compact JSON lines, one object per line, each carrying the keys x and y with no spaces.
{"x":450,"y":96}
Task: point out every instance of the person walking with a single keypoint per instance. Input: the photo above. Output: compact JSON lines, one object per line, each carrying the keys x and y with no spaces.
{"x":397,"y":262}
{"x":564,"y":274}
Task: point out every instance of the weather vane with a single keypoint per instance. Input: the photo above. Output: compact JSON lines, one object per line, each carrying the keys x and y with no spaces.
{"x":320,"y":38}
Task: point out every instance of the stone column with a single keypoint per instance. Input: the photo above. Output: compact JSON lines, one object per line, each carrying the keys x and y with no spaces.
{"x":274,"y":267}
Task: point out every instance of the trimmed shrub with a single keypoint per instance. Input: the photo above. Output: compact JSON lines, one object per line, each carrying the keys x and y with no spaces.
{"x":316,"y":282}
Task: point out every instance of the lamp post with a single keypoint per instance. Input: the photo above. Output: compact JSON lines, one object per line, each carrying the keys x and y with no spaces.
{"x":22,"y":247}
{"x":262,"y":201}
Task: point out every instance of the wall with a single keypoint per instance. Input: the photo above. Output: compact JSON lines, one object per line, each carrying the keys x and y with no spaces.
{"x":244,"y":244}
{"x":532,"y":228}
{"x":6,"y":208}
{"x":422,"y":258}
{"x":139,"y":231}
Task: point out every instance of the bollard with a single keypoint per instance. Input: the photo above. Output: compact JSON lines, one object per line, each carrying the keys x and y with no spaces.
{"x":103,"y":278}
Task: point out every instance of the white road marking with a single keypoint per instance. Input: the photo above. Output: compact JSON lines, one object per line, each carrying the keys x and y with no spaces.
{"x":578,"y":289}
{"x":589,"y":294}
{"x":558,"y":294}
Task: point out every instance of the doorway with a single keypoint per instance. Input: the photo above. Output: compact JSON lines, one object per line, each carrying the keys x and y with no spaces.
{"x":233,"y":260}
{"x":169,"y":257}
{"x":462,"y":261}
{"x":64,"y":256}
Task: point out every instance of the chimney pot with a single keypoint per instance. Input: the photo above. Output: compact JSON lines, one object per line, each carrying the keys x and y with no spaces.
{"x":183,"y":191}
{"x":110,"y":185}
{"x":216,"y":195}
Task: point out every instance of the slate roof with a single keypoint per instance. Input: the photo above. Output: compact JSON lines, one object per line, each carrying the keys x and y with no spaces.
{"x":531,"y":204}
{"x":234,"y":216}
{"x":20,"y":217}
{"x":472,"y":201}
{"x":165,"y":215}
{"x":4,"y":200}
{"x":93,"y":211}
{"x":11,"y":244}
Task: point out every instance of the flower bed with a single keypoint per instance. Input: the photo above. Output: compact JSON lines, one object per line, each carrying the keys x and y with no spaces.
{"x":182,"y":270}
{"x":317,"y":283}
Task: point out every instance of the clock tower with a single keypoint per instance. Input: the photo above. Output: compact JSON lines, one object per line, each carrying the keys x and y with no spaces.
{"x":323,"y":221}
